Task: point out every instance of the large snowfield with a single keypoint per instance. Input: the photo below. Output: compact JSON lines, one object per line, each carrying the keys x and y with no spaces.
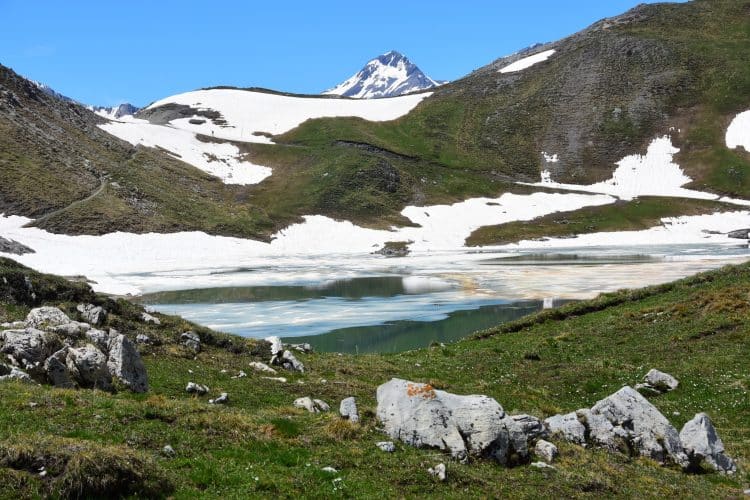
{"x":250,"y":117}
{"x":119,"y":262}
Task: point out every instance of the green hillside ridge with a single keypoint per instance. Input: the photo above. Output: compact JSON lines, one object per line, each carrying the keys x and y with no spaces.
{"x":96,"y":443}
{"x":605,"y":93}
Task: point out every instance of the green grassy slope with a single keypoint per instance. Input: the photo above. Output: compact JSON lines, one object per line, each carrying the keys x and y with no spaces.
{"x":259,"y":445}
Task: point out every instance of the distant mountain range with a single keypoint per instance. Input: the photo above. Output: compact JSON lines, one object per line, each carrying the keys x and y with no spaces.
{"x":109,"y":112}
{"x":388,"y":75}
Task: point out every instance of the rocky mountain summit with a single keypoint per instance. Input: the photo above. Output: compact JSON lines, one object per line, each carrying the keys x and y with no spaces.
{"x":388,"y":75}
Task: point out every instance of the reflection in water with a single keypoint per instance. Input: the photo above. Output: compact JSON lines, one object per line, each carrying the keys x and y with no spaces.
{"x":358,"y":288}
{"x":379,"y":305}
{"x":405,"y":335}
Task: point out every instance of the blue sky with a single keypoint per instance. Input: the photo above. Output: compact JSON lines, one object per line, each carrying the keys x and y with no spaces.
{"x":106,"y":52}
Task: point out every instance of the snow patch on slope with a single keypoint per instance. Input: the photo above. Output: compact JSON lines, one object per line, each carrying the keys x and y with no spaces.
{"x":654,"y":174}
{"x":738,"y":132}
{"x":110,"y":259}
{"x":220,"y":159}
{"x":249,"y":114}
{"x":527,"y":62}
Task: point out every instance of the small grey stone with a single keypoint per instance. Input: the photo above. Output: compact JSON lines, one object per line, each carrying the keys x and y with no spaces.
{"x":545,"y":450}
{"x":663,"y":382}
{"x":199,"y":389}
{"x":386,"y":446}
{"x":96,"y":315}
{"x":168,"y":451}
{"x":147,"y":318}
{"x":438,"y":471}
{"x":142,"y":338}
{"x":348,"y":409}
{"x":192,"y":341}
{"x":221,"y":400}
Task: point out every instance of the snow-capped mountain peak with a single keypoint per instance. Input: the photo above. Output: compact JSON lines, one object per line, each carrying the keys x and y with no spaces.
{"x":387,"y":75}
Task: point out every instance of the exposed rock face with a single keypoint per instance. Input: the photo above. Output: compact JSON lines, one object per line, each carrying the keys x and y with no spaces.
{"x":87,"y":366}
{"x":465,"y":426}
{"x":46,"y":317}
{"x":13,"y":247}
{"x":125,"y":364}
{"x":703,"y":444}
{"x":740,"y":234}
{"x":348,"y":409}
{"x":94,"y":315}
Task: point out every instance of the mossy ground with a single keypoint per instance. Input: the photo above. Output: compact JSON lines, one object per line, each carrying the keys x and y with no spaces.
{"x":259,"y":445}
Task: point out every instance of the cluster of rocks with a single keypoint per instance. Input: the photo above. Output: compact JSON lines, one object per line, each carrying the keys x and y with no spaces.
{"x":49,"y":347}
{"x":283,"y":357}
{"x":626,"y":421}
{"x":477,"y":426}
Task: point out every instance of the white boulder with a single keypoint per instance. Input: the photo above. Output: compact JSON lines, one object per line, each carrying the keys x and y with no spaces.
{"x":472,"y":425}
{"x":125,"y":364}
{"x":703,"y":444}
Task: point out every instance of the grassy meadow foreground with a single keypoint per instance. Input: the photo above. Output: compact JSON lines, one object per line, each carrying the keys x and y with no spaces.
{"x":93,"y":443}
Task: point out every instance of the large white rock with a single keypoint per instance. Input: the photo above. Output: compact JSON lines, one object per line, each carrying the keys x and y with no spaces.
{"x":46,"y":317}
{"x":648,"y":431}
{"x":702,"y":443}
{"x":125,"y":364}
{"x":465,"y":426}
{"x":87,"y":366}
{"x":567,"y":427}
